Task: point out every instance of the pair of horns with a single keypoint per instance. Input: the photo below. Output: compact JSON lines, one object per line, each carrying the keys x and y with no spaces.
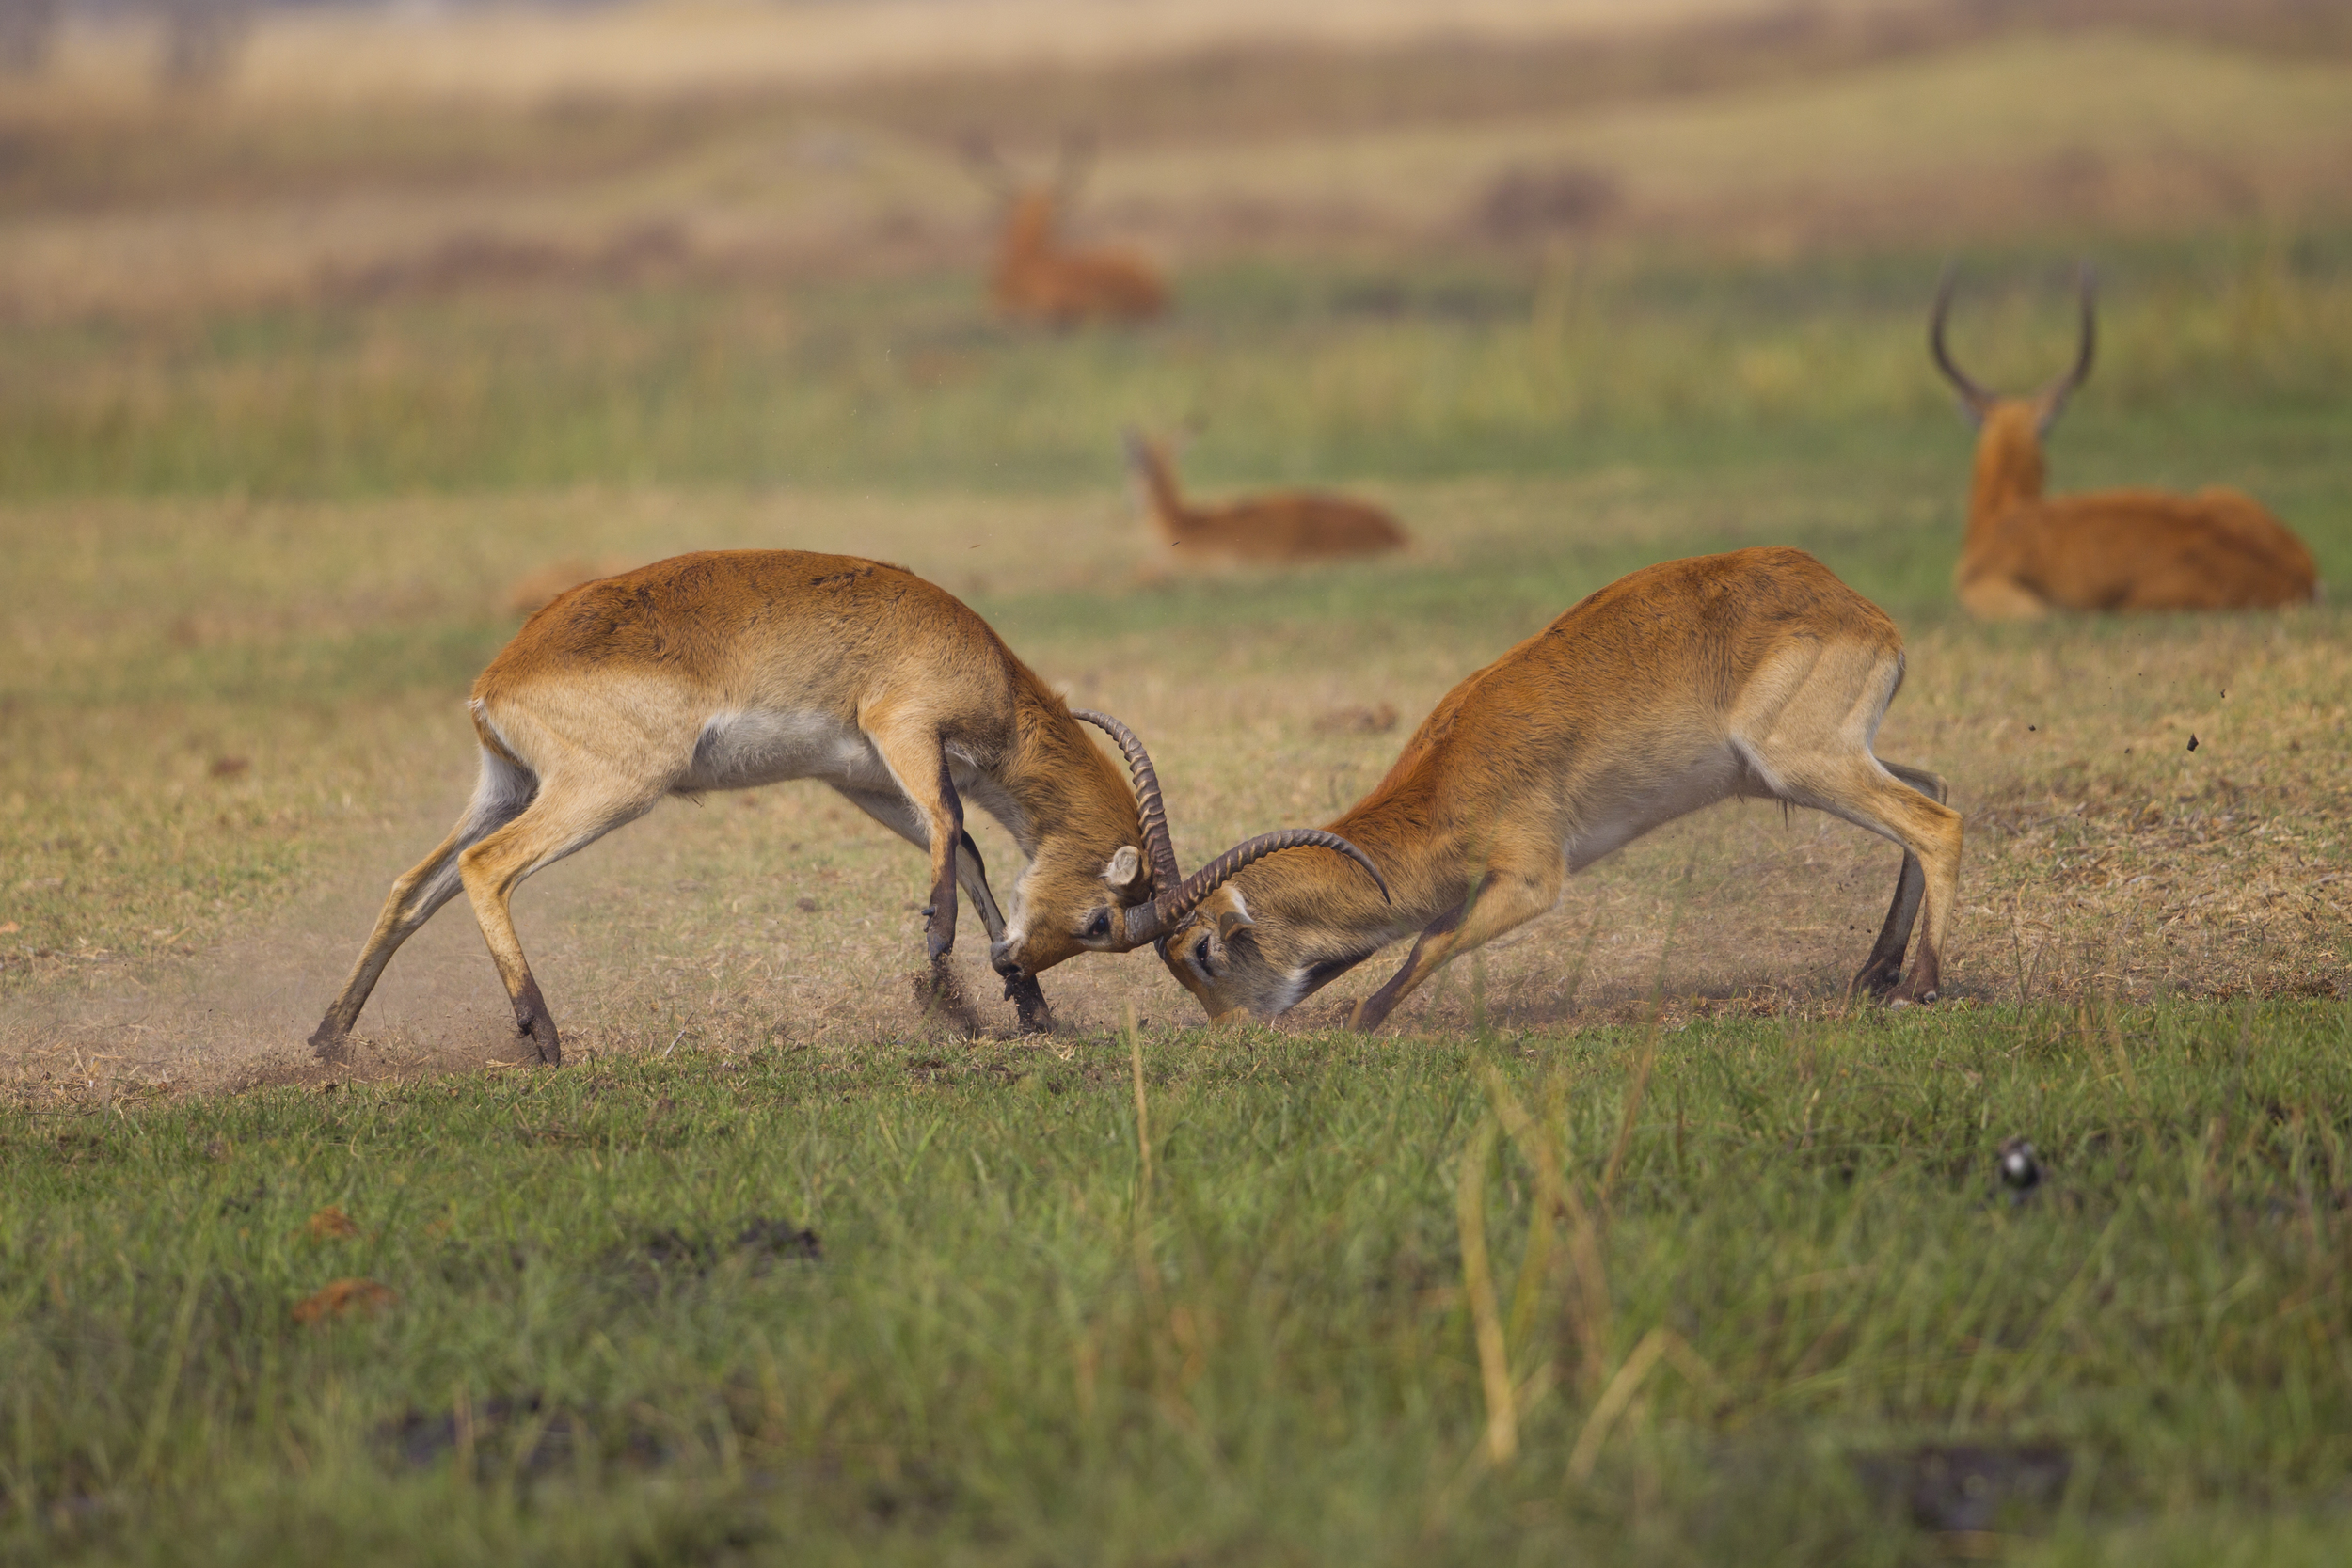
{"x":2053,"y":397}
{"x":989,"y":166}
{"x":1174,"y":895}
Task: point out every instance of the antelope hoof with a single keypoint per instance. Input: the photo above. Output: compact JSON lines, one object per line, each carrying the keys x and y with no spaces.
{"x":1029,"y":1002}
{"x":540,"y":1031}
{"x":1876,"y":981}
{"x":330,"y":1045}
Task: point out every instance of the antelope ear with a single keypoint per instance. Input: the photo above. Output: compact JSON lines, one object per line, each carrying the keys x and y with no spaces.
{"x":1125,"y":870}
{"x":1231,"y":921}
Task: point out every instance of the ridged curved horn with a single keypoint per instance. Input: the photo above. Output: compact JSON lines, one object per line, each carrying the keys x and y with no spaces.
{"x":2053,"y":397}
{"x":1157,"y":848}
{"x":1148,"y":922}
{"x":1972,"y":397}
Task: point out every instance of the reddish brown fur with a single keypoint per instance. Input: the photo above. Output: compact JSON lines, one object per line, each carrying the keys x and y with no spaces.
{"x":1283,"y":525}
{"x":1755,"y":674}
{"x":2026,"y":554}
{"x":729,"y":669}
{"x":1039,"y":278}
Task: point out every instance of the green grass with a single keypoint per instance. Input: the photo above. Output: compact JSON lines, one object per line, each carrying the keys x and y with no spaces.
{"x":269,"y":546}
{"x":1014,"y":1350}
{"x":1326,"y":370}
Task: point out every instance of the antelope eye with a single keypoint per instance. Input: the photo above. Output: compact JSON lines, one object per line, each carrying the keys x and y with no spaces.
{"x":1100,"y":925}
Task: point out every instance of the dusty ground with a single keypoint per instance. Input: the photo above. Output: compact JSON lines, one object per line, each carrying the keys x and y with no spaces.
{"x":2105,"y":858}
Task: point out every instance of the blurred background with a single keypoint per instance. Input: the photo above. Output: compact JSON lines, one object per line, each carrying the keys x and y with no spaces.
{"x":343,"y":248}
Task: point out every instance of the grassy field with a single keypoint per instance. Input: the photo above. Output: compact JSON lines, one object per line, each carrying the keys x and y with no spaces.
{"x":1630,"y":1240}
{"x":1742,"y":1293}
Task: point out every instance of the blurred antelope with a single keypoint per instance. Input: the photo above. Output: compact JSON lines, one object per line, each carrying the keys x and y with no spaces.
{"x":733,"y":669}
{"x":1756,"y":675}
{"x":1036,"y":276}
{"x":1282,"y":525}
{"x":2025,"y":554}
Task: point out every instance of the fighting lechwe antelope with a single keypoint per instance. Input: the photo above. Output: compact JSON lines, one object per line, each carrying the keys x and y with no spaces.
{"x":733,"y":669}
{"x":1036,"y":276}
{"x":2027,"y":554}
{"x":1752,"y":674}
{"x":1280,"y":525}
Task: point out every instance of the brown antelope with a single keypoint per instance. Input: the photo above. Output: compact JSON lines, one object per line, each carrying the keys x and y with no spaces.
{"x":1282,"y":524}
{"x":1036,"y":278}
{"x":1754,"y":674}
{"x":2026,"y":554}
{"x":732,"y":669}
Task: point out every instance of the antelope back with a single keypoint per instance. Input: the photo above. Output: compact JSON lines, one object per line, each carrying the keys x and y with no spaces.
{"x":616,"y":683}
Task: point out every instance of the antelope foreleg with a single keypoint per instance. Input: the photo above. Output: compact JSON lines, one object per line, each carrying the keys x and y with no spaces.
{"x":918,"y":763}
{"x":1502,"y":900}
{"x":1020,"y":987}
{"x":901,"y":817}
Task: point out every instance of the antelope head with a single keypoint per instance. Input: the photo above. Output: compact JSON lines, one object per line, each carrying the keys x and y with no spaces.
{"x":1032,"y":208}
{"x":2010,"y":429}
{"x":1145,"y":897}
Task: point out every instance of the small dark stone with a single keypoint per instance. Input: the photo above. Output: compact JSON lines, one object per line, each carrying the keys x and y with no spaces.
{"x":2021,"y":1171}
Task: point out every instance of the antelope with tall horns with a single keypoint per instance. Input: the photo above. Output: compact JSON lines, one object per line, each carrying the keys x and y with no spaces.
{"x":729,"y":669}
{"x":1279,"y":525}
{"x":1754,"y":674}
{"x":2027,"y":554}
{"x":1039,"y":278}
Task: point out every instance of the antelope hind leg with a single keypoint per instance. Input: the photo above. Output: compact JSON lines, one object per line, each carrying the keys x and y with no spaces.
{"x":1884,"y":968}
{"x":433,"y":882}
{"x":551,"y":829}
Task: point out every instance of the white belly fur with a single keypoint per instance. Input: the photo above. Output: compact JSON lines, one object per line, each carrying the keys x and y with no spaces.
{"x":744,"y":750}
{"x":1720,"y":776}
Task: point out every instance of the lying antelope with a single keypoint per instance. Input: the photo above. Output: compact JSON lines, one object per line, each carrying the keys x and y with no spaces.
{"x":733,"y":669}
{"x":1282,"y":525}
{"x":2025,"y":554}
{"x":1756,"y":675}
{"x":1038,"y":278}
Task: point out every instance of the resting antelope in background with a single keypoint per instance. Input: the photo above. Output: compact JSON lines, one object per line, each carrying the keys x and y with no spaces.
{"x":732,"y":669}
{"x":1036,"y":278}
{"x":1282,"y":524}
{"x":2025,"y":554}
{"x":1756,"y":675}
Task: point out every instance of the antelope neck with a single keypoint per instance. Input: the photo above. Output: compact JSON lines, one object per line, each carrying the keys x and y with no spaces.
{"x":1047,"y":770}
{"x":2008,"y":468}
{"x":1338,"y":903}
